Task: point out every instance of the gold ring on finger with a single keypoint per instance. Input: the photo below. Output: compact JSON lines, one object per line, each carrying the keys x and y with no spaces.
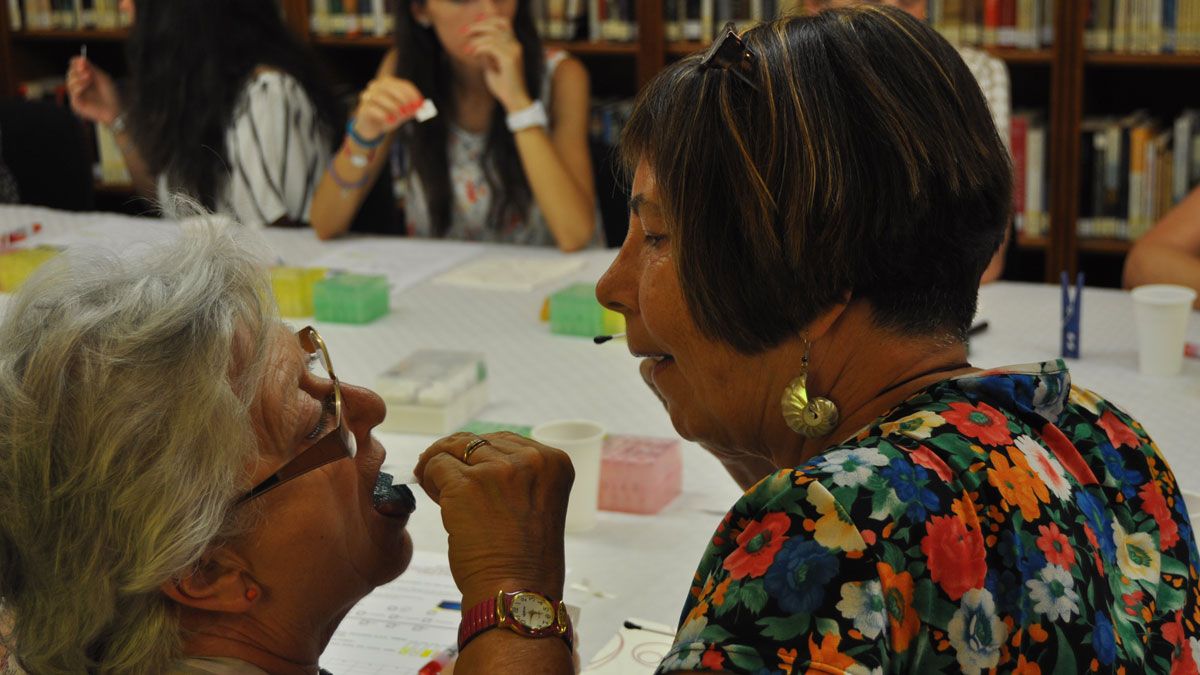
{"x":472,"y":447}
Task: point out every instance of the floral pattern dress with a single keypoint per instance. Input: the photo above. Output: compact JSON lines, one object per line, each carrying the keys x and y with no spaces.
{"x":1001,"y":521}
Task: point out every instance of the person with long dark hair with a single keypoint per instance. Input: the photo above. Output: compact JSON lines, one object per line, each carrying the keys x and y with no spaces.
{"x":224,"y":105}
{"x":506,"y":157}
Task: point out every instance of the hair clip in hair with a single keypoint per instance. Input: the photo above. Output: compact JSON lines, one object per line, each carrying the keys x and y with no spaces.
{"x":729,"y":53}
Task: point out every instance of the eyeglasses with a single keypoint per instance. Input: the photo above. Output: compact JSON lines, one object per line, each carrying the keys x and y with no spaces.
{"x":729,"y":53}
{"x":336,"y":444}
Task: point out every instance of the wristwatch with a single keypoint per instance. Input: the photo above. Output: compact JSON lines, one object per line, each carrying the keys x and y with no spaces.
{"x":533,"y":116}
{"x":526,"y":613}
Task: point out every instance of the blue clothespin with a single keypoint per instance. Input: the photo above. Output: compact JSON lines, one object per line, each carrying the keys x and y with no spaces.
{"x":1071,"y":307}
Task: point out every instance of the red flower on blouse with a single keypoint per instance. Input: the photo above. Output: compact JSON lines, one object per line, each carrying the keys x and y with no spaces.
{"x":926,"y":458}
{"x":982,"y":422}
{"x":1154,"y":504}
{"x":757,"y":546}
{"x":1056,"y":546}
{"x":1119,"y":433}
{"x":713,"y":658}
{"x":955,"y":555}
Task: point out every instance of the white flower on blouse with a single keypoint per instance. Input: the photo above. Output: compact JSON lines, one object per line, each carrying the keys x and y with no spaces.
{"x":1053,"y":594}
{"x":862,"y":602}
{"x":1137,"y":555}
{"x":853,"y":466}
{"x":976,"y":633}
{"x":688,"y":648}
{"x":1046,"y":466}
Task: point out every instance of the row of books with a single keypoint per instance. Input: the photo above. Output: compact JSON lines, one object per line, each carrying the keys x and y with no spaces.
{"x":610,"y":20}
{"x":108,"y":164}
{"x":699,"y":19}
{"x":65,"y":14}
{"x":608,"y":119}
{"x":1143,"y":26}
{"x":1135,"y":169}
{"x":1031,"y":190}
{"x":1022,"y":24}
{"x":352,"y":17}
{"x":616,"y":20}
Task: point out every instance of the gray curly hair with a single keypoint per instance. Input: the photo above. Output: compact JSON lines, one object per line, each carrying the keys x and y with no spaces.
{"x":125,"y":389}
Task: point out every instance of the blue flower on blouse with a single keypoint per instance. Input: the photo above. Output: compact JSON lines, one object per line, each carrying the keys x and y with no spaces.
{"x":796,"y":579}
{"x":1102,"y":639}
{"x":1017,"y":554}
{"x":1098,"y":519}
{"x":1128,"y":480}
{"x":908,"y":480}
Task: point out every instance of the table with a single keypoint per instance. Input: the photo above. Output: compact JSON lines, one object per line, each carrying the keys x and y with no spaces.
{"x":641,"y":566}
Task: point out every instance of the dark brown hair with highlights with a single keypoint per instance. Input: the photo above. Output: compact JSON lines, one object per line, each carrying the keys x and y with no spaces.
{"x":866,"y":163}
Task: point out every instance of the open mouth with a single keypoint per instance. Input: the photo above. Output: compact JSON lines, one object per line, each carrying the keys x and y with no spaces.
{"x":393,"y":501}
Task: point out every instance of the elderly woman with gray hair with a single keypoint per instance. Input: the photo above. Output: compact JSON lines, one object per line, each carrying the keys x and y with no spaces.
{"x":186,"y":486}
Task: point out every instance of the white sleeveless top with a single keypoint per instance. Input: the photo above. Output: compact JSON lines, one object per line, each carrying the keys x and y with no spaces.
{"x":472,"y":195}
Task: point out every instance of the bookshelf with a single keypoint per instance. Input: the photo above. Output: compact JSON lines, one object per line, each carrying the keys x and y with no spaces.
{"x":1064,"y":78}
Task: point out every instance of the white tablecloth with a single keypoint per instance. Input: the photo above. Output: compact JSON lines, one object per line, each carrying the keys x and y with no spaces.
{"x":642,"y":565}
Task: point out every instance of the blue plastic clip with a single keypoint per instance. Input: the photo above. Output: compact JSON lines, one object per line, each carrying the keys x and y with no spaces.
{"x":1071,"y":307}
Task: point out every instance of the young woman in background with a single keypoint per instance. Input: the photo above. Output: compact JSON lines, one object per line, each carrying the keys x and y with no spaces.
{"x":224,"y":105}
{"x":506,"y":158}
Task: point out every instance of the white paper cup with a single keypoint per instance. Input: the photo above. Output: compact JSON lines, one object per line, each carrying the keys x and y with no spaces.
{"x":1161,"y":312}
{"x":582,"y":441}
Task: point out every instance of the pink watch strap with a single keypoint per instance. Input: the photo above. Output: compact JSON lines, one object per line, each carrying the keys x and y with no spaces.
{"x":476,"y":620}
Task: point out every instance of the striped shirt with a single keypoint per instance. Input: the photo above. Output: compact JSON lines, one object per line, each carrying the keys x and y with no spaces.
{"x":277,"y":152}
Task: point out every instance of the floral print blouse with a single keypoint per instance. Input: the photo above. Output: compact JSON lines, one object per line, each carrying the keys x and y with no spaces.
{"x":1001,"y":521}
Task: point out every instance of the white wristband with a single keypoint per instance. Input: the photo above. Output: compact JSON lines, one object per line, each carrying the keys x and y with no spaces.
{"x":533,"y":116}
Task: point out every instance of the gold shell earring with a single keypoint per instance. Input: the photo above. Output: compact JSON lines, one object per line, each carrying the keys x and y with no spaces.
{"x":812,"y":417}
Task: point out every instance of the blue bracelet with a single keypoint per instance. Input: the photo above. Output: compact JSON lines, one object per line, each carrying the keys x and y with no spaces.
{"x":359,"y":139}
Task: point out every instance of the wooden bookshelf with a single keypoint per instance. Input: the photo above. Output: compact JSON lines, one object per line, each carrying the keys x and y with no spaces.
{"x":1142,"y":60}
{"x":596,"y":48}
{"x":1056,"y":76}
{"x":1105,"y":245}
{"x":80,"y":36}
{"x":1032,"y":243}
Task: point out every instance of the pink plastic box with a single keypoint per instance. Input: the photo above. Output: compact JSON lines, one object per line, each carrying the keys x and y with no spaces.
{"x":639,"y":474}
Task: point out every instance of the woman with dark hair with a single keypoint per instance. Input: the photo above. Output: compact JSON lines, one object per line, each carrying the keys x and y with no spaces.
{"x":813,"y":204}
{"x":506,"y":156}
{"x":224,"y":104}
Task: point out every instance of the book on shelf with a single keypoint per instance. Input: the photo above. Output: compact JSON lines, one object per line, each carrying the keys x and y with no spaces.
{"x":108,"y":163}
{"x":14,"y":14}
{"x":561,"y":19}
{"x":1020,"y":24}
{"x":66,"y":15}
{"x":1143,"y":26}
{"x":1133,"y":170}
{"x":1030,"y":177}
{"x":608,"y":118}
{"x":352,"y":18}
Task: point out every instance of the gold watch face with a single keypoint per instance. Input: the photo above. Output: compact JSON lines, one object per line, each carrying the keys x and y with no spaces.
{"x":532,"y":611}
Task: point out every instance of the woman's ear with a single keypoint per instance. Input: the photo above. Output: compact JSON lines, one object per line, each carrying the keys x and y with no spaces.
{"x":220,"y":582}
{"x":420,"y":13}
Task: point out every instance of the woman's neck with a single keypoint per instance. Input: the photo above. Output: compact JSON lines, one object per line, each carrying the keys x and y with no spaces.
{"x":865,"y":372}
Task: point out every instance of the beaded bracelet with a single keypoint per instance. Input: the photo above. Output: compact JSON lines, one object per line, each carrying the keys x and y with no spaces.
{"x":360,"y":161}
{"x":343,"y":183}
{"x":359,"y":139}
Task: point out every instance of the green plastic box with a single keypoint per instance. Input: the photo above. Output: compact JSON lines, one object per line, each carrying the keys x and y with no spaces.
{"x":350,"y":298}
{"x":574,"y":310}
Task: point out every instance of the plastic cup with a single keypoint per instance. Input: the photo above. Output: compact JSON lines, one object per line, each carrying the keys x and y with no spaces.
{"x":582,"y":441}
{"x":1161,"y":312}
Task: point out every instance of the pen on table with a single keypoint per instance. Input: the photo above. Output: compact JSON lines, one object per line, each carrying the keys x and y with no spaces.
{"x":601,"y":339}
{"x":977,"y":328}
{"x":636,"y":626}
{"x":439,"y":661}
